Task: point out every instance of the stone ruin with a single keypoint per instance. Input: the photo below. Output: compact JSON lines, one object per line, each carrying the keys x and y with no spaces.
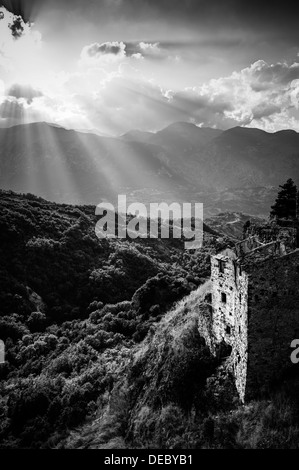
{"x":253,"y":306}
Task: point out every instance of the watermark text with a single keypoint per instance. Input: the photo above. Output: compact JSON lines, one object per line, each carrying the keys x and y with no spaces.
{"x":160,"y":220}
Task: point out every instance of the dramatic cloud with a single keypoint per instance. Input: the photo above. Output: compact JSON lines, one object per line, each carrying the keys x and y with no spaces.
{"x":117,"y":51}
{"x":23,"y":91}
{"x":97,"y":50}
{"x":15,"y":24}
{"x":280,"y":74}
{"x":19,"y":44}
{"x":148,"y":50}
{"x":145,"y":64}
{"x":17,"y":27}
{"x":261,"y":95}
{"x":152,"y":50}
{"x":126,"y":100}
{"x":224,"y":102}
{"x":106,"y":53}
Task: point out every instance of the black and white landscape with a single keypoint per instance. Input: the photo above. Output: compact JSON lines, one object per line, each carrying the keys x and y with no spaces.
{"x":234,"y":170}
{"x":110,"y":343}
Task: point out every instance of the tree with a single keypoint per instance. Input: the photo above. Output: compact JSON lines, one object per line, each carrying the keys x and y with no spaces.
{"x":285,"y":206}
{"x":246,"y":228}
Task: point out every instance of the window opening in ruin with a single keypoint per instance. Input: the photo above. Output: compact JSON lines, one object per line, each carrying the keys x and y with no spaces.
{"x":223,"y":297}
{"x":228,"y":330}
{"x":235,"y":271}
{"x":221,"y":266}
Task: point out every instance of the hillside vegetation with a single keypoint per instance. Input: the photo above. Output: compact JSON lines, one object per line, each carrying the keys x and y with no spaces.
{"x":102,"y":342}
{"x":171,"y":394}
{"x":72,"y":309}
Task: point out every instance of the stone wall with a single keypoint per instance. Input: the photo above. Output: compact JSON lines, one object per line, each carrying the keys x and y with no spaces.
{"x":254,"y":308}
{"x":229,"y":307}
{"x":205,"y":325}
{"x":240,"y":345}
{"x":245,"y":246}
{"x":268,"y":250}
{"x":273,"y":231}
{"x":223,"y":297}
{"x":273,"y":319}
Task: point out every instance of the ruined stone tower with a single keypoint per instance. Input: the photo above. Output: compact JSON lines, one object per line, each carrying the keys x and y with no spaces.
{"x":255,"y":306}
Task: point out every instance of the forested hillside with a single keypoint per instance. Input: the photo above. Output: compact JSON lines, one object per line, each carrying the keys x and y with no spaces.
{"x":102,"y":342}
{"x":73,"y":307}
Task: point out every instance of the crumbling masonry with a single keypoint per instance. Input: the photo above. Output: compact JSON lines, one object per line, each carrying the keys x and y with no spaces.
{"x":254,"y":305}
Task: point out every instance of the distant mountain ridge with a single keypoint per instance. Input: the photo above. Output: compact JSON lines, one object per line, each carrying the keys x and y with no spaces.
{"x":231,"y":224}
{"x":234,"y":170}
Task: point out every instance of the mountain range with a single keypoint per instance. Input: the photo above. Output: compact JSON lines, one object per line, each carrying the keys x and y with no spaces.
{"x":235,"y":170}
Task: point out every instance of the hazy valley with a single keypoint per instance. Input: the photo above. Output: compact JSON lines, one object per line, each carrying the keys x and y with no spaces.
{"x":234,"y":170}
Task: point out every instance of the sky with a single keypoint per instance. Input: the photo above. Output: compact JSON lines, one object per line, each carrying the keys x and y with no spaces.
{"x":114,"y":65}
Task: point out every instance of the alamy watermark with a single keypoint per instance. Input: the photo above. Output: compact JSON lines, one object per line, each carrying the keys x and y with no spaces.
{"x":159,"y":220}
{"x":295,"y":354}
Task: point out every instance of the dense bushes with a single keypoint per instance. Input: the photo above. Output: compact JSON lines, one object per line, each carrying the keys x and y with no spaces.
{"x":72,"y":307}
